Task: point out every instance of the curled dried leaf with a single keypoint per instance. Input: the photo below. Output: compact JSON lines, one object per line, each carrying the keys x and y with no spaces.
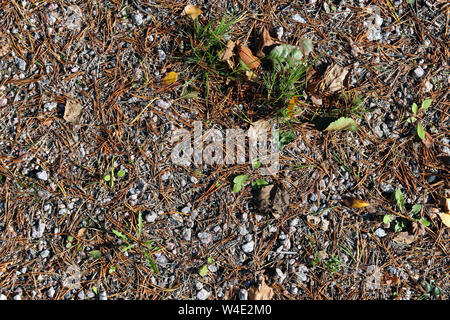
{"x":334,"y":78}
{"x":262,"y":292}
{"x":192,"y":11}
{"x":72,"y":111}
{"x":355,"y":203}
{"x":405,"y":238}
{"x":170,"y":78}
{"x":227,"y":53}
{"x":265,"y":40}
{"x":247,"y":57}
{"x":445,"y":217}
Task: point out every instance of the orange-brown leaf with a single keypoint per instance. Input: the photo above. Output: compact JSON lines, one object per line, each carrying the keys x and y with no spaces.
{"x":247,"y":57}
{"x":355,"y":203}
{"x":192,"y":11}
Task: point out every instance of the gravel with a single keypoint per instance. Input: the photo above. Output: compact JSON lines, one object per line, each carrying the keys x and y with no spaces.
{"x":248,"y":247}
{"x":203,"y":294}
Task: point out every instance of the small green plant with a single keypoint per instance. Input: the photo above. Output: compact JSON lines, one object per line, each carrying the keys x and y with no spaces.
{"x":432,"y":290}
{"x":239,"y":182}
{"x":333,"y":263}
{"x":109,"y":177}
{"x":204,"y":270}
{"x":148,"y":248}
{"x":401,"y":224}
{"x":259,"y":183}
{"x":415,"y":110}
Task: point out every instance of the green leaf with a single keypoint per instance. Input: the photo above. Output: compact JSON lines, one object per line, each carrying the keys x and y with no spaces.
{"x":151,"y":262}
{"x":96,"y":254}
{"x":107,"y":177}
{"x":425,"y":222}
{"x":420,"y":131}
{"x":388,"y":218}
{"x":112,"y":269}
{"x":125,"y":249}
{"x":139,"y":224}
{"x":343,"y":124}
{"x":259,"y":183}
{"x":426,"y":104}
{"x":411,"y":120}
{"x":210,"y":260}
{"x":410,"y":1}
{"x":95,"y":290}
{"x":399,"y":226}
{"x":400,"y":199}
{"x":189,"y":95}
{"x":414,"y":108}
{"x":415,"y":209}
{"x":121,"y":173}
{"x":120,"y":234}
{"x":203,"y":270}
{"x":239,"y":182}
{"x":256,"y":163}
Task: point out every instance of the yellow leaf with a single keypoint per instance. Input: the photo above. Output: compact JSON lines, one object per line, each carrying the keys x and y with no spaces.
{"x":192,"y":11}
{"x":170,"y":78}
{"x":445,"y":218}
{"x":355,"y":203}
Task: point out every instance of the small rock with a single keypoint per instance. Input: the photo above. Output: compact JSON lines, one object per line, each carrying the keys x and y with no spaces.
{"x":162,"y":55}
{"x":162,"y":104}
{"x":380,"y":233}
{"x":198,"y":285}
{"x":103,"y":296}
{"x":151,"y":217}
{"x":298,"y":18}
{"x":419,"y":72}
{"x":187,"y":234}
{"x":3,"y":102}
{"x":203,"y":294}
{"x":50,"y":106}
{"x":21,"y":64}
{"x":186,"y":210}
{"x":42,"y":175}
{"x":45,"y":253}
{"x":205,"y":237}
{"x":213,"y":268}
{"x":280,"y":274}
{"x":51,"y":292}
{"x":3,"y":297}
{"x":137,"y":19}
{"x":243,"y":294}
{"x":81,"y":295}
{"x":248,"y":247}
{"x":17,"y":297}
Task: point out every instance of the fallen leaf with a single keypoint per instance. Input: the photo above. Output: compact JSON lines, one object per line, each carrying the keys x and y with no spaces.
{"x":262,"y":292}
{"x":405,"y":238}
{"x":390,"y":280}
{"x":226,"y":54}
{"x":343,"y":124}
{"x":247,"y":57}
{"x":258,"y":128}
{"x":355,"y":49}
{"x":445,"y":217}
{"x":170,"y":78}
{"x":427,"y":140}
{"x":265,"y":40}
{"x":192,"y":11}
{"x":81,"y":232}
{"x":251,"y":75}
{"x":418,"y":228}
{"x":318,"y":221}
{"x":446,"y":204}
{"x":355,"y":203}
{"x":334,"y":78}
{"x":72,"y":111}
{"x":273,"y":199}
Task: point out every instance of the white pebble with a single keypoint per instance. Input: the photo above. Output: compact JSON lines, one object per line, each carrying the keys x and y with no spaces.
{"x":42,"y":175}
{"x":248,"y":247}
{"x":203,"y":294}
{"x":380,"y":233}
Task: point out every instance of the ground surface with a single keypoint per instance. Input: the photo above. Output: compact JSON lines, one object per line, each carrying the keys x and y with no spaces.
{"x":57,"y":210}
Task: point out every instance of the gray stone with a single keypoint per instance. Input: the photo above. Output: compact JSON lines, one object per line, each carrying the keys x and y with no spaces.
{"x":203,"y":294}
{"x":42,"y":175}
{"x":380,"y":233}
{"x":248,"y":247}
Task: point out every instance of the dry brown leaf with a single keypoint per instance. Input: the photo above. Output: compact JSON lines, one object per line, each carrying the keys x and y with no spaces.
{"x":247,"y":57}
{"x":262,"y":292}
{"x":192,"y":11}
{"x":418,"y":229}
{"x":257,"y":128}
{"x":445,"y":217}
{"x":390,"y":280}
{"x":355,"y":49}
{"x":72,"y":111}
{"x":273,"y":199}
{"x":428,"y":140}
{"x":446,"y":205}
{"x":265,"y":40}
{"x":81,"y":232}
{"x":355,"y":203}
{"x":227,"y":53}
{"x":334,"y":78}
{"x":405,"y":238}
